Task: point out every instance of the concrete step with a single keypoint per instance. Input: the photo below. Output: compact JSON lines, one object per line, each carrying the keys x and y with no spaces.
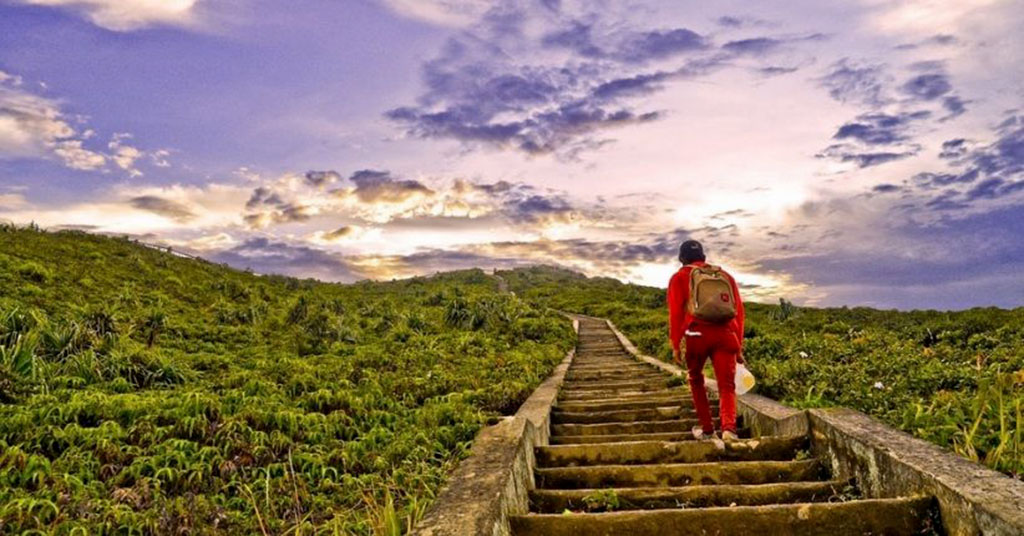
{"x":640,"y":427}
{"x":606,"y":393}
{"x":622,"y":366}
{"x":623,"y":438}
{"x":612,"y":376}
{"x":651,"y":452}
{"x":559,"y":500}
{"x":676,"y":474}
{"x":618,"y":385}
{"x":680,"y":399}
{"x":891,"y":517}
{"x":658,"y":413}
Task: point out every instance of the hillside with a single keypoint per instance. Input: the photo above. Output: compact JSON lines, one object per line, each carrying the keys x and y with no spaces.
{"x":153,"y":393}
{"x":953,"y":378}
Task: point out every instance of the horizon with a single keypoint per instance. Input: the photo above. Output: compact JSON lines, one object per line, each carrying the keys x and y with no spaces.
{"x":864,"y":154}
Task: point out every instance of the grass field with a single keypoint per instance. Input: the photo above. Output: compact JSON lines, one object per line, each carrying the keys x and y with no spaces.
{"x":142,"y":392}
{"x":146,"y":393}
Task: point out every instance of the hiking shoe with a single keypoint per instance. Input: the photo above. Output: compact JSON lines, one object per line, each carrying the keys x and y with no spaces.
{"x":699,"y":433}
{"x":729,"y":435}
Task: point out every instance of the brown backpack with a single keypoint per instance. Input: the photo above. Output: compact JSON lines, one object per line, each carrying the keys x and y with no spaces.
{"x":711,"y":296}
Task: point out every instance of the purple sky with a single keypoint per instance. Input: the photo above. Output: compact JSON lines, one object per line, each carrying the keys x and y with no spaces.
{"x":864,"y":153}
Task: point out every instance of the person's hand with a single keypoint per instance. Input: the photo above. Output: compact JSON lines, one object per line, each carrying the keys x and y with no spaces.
{"x":677,"y":357}
{"x":739,"y":359}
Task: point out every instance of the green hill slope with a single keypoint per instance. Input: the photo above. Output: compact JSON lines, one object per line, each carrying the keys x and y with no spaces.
{"x":953,"y":378}
{"x":150,"y":393}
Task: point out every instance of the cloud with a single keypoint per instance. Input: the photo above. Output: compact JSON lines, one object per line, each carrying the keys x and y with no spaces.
{"x":997,"y":167}
{"x":12,"y":201}
{"x":32,"y":126}
{"x":268,"y":256}
{"x":880,"y":128}
{"x":373,"y":186}
{"x":127,"y":15}
{"x":322,"y":178}
{"x":851,"y":154}
{"x":848,"y":81}
{"x":955,"y":106}
{"x":753,"y":46}
{"x":124,"y":155}
{"x":928,"y":86}
{"x":441,"y":12}
{"x":952,"y":262}
{"x":627,"y":47}
{"x":954,"y":148}
{"x":935,"y":40}
{"x":164,"y":207}
{"x":339,"y":233}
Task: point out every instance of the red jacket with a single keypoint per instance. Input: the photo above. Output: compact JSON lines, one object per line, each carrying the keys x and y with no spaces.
{"x":679,"y":319}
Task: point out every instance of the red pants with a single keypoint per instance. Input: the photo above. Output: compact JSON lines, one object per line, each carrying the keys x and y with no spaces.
{"x":722,"y":346}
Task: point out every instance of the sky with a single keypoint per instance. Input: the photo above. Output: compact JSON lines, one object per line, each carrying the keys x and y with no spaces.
{"x":868,"y":152}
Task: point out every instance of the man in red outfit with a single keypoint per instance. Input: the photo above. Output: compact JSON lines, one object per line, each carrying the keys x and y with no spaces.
{"x":721,"y":342}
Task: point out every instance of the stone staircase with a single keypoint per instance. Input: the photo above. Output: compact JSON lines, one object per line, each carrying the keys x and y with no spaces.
{"x":622,"y":460}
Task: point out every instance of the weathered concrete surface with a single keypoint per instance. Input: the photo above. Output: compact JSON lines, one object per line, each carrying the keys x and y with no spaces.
{"x":559,"y":500}
{"x":616,"y":404}
{"x":493,"y":483}
{"x":658,"y":413}
{"x":641,"y":427}
{"x":887,"y":463}
{"x":881,"y":516}
{"x":676,"y":474}
{"x":762,"y":448}
{"x":763,"y":415}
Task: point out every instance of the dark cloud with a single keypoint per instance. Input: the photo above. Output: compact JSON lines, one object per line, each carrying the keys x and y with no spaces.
{"x":937,"y":180}
{"x":577,"y":37}
{"x":633,"y":47}
{"x":265,"y":256}
{"x":935,"y":40}
{"x":955,"y":106}
{"x":641,"y":84}
{"x":539,"y":208}
{"x":266,"y":207}
{"x":992,"y":172}
{"x":322,"y":178}
{"x":263,"y":196}
{"x":849,"y":153}
{"x":848,"y":81}
{"x":482,"y":90}
{"x":949,"y":263}
{"x":285,"y":213}
{"x":879,"y":128}
{"x":730,"y":22}
{"x":776,"y":70}
{"x":167,"y":208}
{"x":654,"y":45}
{"x":372,"y":186}
{"x":928,"y":86}
{"x":339,"y":233}
{"x":753,"y":46}
{"x":886,"y":188}
{"x":955,"y":148}
{"x":545,"y":131}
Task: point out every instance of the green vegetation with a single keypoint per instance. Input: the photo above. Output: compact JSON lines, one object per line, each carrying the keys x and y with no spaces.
{"x":144,"y":393}
{"x":141,"y":392}
{"x":953,"y":378}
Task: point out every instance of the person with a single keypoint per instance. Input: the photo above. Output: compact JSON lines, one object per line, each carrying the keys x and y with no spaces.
{"x":711,"y":320}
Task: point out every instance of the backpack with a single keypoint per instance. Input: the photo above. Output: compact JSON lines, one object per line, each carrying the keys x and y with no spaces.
{"x":711,"y":297}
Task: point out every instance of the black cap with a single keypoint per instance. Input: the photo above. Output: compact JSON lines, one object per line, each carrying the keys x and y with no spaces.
{"x":691,"y":251}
